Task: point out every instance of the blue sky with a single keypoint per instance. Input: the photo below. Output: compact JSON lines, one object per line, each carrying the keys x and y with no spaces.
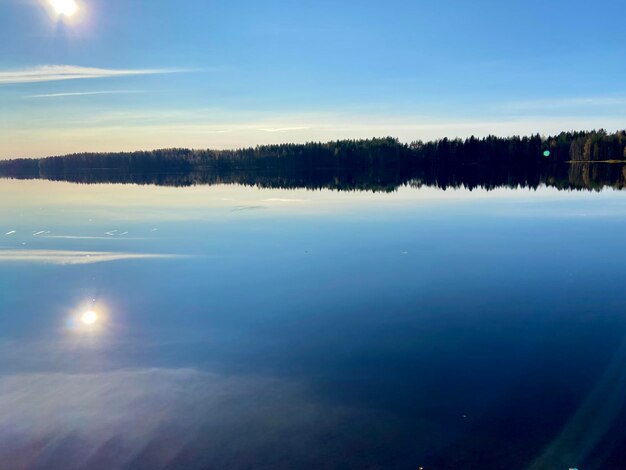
{"x":139,"y":74}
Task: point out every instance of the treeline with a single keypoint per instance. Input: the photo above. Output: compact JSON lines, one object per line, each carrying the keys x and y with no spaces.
{"x":598,"y":146}
{"x":374,"y":164}
{"x":594,"y":146}
{"x":354,"y":154}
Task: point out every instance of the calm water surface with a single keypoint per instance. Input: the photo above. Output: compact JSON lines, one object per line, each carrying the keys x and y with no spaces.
{"x":243,"y":328}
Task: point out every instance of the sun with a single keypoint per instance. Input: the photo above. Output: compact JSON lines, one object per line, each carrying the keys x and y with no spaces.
{"x":66,"y":8}
{"x":89,"y":318}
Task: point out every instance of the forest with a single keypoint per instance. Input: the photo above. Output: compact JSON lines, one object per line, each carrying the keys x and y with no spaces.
{"x":569,"y":160}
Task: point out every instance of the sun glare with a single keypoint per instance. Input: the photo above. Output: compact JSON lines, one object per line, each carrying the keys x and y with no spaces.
{"x":89,"y":318}
{"x":64,"y":7}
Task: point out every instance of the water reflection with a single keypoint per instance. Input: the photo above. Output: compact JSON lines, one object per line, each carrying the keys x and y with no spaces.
{"x":585,"y":175}
{"x":178,"y":418}
{"x":68,"y":257}
{"x":457,"y":329}
{"x":596,"y":425}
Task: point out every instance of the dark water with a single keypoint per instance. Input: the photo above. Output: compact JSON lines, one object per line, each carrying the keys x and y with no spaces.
{"x":242,"y":328}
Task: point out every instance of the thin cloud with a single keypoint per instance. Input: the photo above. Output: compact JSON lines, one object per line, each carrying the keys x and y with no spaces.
{"x":283,"y":129}
{"x":280,"y":199}
{"x":566,"y":103}
{"x":89,"y":93}
{"x":79,"y":237}
{"x":247,"y":208}
{"x":52,"y":73}
{"x":60,"y":257}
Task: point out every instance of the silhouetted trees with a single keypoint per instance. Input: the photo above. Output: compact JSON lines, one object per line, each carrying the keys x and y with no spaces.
{"x":374,"y":164}
{"x":599,"y":146}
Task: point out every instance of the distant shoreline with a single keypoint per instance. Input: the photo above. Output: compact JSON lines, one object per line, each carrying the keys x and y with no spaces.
{"x":380,"y":164}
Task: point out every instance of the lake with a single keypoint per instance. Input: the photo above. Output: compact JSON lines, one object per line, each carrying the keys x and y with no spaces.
{"x":233,"y":327}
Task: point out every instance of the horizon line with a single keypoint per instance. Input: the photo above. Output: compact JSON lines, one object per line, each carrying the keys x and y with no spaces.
{"x":318,"y":142}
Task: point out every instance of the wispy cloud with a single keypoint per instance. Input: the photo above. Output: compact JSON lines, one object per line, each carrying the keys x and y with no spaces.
{"x":247,"y":208}
{"x":280,"y":199}
{"x":566,"y":103}
{"x":132,"y":129}
{"x":60,"y":257}
{"x":283,"y":129}
{"x":80,"y":237}
{"x":51,"y":73}
{"x":89,"y":93}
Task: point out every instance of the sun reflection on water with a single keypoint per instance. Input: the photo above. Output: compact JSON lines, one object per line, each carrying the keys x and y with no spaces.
{"x":88,"y":319}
